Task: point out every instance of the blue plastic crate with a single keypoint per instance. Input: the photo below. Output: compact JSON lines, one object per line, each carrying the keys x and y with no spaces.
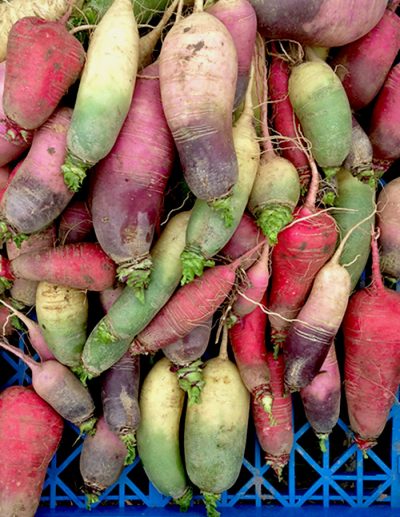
{"x":313,"y":480}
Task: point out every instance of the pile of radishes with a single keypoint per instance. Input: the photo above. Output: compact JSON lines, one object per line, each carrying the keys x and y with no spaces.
{"x":170,"y":192}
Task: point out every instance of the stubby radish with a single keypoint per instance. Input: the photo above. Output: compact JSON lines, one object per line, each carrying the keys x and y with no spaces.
{"x":207,"y":233}
{"x":185,"y":355}
{"x":359,"y":160}
{"x":239,"y":18}
{"x":101,"y":461}
{"x":196,"y":53}
{"x":247,"y":338}
{"x":59,"y":387}
{"x":283,"y":119}
{"x":355,"y":200}
{"x":43,"y":61}
{"x":119,"y":398}
{"x":216,"y":430}
{"x":37,"y":195}
{"x":315,"y":89}
{"x":111,"y":337}
{"x":82,"y":266}
{"x":30,"y":433}
{"x":325,"y":23}
{"x":36,"y":337}
{"x":75,"y":223}
{"x":310,"y":335}
{"x":161,"y":405}
{"x":274,"y":429}
{"x":321,"y":398}
{"x":384,"y":126}
{"x":12,"y":145}
{"x":105,"y":92}
{"x":276,"y":189}
{"x":303,"y":248}
{"x":372,"y":356}
{"x":135,"y":173}
{"x":62,"y":314}
{"x":388,"y":210}
{"x":371,"y":55}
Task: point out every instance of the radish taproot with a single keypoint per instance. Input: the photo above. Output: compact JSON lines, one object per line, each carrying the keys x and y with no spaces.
{"x":105,"y":92}
{"x":161,"y":406}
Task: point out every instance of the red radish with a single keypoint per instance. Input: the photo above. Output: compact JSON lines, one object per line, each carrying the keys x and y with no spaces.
{"x":12,"y":145}
{"x":384,"y":131}
{"x":388,"y":222}
{"x":247,"y":338}
{"x":372,"y":356}
{"x":283,"y":118}
{"x":198,"y":74}
{"x":321,"y":398}
{"x":75,"y":223}
{"x":303,"y":248}
{"x":135,"y":173}
{"x":372,"y":56}
{"x":275,"y":430}
{"x":35,"y":334}
{"x":6,"y":327}
{"x":82,"y":266}
{"x":4,"y":176}
{"x":317,"y":323}
{"x":43,"y":61}
{"x":239,"y":18}
{"x":30,"y":433}
{"x":59,"y":387}
{"x":37,"y":194}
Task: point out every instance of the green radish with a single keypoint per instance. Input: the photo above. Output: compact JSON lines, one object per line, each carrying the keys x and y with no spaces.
{"x":216,"y":429}
{"x":207,"y":233}
{"x":111,"y":337}
{"x":161,"y":404}
{"x":321,"y":105}
{"x":105,"y":92}
{"x":357,"y":201}
{"x":62,"y":314}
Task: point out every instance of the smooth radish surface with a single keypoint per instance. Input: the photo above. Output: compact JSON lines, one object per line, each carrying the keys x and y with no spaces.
{"x":12,"y":145}
{"x":59,"y":387}
{"x":372,"y":356}
{"x":43,"y":61}
{"x":198,"y":74}
{"x":62,"y":314}
{"x":372,"y":56}
{"x":105,"y":91}
{"x":274,"y":429}
{"x":81,"y":266}
{"x":161,"y":405}
{"x":119,"y":398}
{"x":109,"y":296}
{"x":325,"y":23}
{"x":321,"y":398}
{"x":30,"y":432}
{"x":239,"y":18}
{"x":37,"y":195}
{"x":75,"y":223}
{"x":388,"y":211}
{"x":134,"y":173}
{"x":111,"y":337}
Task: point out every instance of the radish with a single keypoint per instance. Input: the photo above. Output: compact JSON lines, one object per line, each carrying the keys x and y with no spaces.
{"x":30,"y":433}
{"x":198,"y":74}
{"x":321,"y":398}
{"x":109,"y":296}
{"x":135,"y":173}
{"x":216,"y":430}
{"x":105,"y":92}
{"x":359,"y":159}
{"x":388,"y":222}
{"x":372,"y":356}
{"x":119,"y":397}
{"x":75,"y":223}
{"x":274,"y":429}
{"x":161,"y":405}
{"x":111,"y":337}
{"x":59,"y":387}
{"x":43,"y":61}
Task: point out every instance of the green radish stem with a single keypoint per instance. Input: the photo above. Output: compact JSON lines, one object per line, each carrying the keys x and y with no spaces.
{"x":129,"y":440}
{"x":210,"y":502}
{"x":136,"y":273}
{"x":190,"y":379}
{"x":323,"y":438}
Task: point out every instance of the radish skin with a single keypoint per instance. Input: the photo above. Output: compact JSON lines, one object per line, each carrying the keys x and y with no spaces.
{"x":388,"y":222}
